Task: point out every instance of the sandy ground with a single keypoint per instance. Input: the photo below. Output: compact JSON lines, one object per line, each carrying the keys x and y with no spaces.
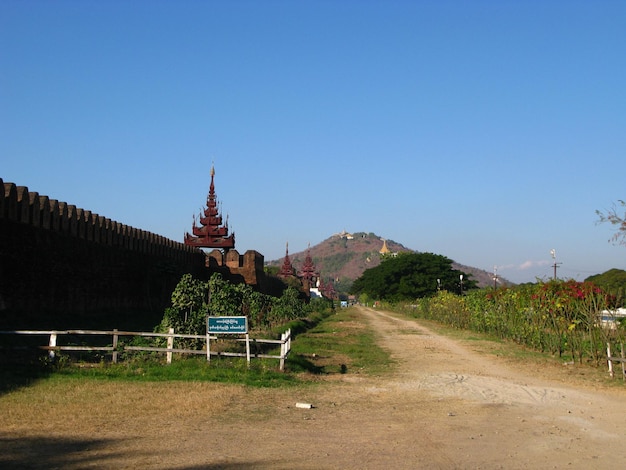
{"x":446,"y":407}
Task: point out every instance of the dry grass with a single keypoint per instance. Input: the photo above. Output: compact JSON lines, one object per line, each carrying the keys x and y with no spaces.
{"x":53,"y":405}
{"x":358,"y":421}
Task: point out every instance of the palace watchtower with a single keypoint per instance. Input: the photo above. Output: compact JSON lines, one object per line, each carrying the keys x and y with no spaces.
{"x":211,"y":233}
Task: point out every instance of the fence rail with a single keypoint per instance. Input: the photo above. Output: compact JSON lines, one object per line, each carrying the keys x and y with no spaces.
{"x":114,"y":347}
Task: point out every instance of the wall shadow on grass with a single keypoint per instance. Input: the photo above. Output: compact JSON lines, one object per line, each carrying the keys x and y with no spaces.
{"x":299,"y":363}
{"x":54,"y":452}
{"x":15,"y":374}
{"x":42,"y":452}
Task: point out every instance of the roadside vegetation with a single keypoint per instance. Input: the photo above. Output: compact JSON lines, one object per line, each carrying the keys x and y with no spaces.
{"x":567,"y":319}
{"x":406,"y":276}
{"x":325,"y":342}
{"x":564,"y":318}
{"x":342,"y":343}
{"x":571,"y":320}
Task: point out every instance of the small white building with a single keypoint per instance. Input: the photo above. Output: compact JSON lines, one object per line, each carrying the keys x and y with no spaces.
{"x":609,"y":317}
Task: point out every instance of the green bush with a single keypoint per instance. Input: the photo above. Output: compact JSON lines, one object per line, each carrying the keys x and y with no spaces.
{"x":188,"y":312}
{"x":192,"y":300}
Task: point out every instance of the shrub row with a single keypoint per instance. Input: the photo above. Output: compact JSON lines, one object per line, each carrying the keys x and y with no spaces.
{"x":560,"y":317}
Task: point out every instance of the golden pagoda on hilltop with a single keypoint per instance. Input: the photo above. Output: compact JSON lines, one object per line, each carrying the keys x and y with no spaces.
{"x":384,"y":250}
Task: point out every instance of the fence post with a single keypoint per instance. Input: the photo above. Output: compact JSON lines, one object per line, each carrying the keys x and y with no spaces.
{"x":208,"y":347}
{"x":52,"y":344}
{"x":114,"y":359}
{"x":623,"y":360}
{"x":248,"y":349}
{"x":170,"y":345}
{"x":608,"y":358}
{"x":283,"y":349}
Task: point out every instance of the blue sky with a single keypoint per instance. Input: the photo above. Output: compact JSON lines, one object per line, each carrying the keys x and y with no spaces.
{"x":486,"y":131}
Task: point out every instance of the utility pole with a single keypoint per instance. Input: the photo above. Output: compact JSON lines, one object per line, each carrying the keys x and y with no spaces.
{"x":495,"y":277}
{"x":555,"y":265}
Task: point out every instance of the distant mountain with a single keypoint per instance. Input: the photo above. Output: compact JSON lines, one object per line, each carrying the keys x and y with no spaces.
{"x":344,"y":256}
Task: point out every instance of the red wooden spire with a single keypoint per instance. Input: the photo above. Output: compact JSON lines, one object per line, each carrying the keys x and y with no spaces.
{"x":308,"y":268}
{"x":286,"y":269}
{"x":211,"y":233}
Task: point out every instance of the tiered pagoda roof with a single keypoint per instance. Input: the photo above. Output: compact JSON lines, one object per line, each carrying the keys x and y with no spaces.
{"x":286,"y":269}
{"x":211,"y":233}
{"x":308,"y":271}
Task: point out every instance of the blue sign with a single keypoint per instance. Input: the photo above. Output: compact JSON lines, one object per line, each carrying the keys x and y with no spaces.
{"x":227,"y":325}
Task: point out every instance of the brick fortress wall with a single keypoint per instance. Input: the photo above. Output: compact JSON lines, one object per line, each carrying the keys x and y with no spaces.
{"x":65,"y":267}
{"x":247,"y":268}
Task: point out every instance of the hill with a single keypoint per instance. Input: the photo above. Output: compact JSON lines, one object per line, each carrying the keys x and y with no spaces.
{"x":344,"y":256}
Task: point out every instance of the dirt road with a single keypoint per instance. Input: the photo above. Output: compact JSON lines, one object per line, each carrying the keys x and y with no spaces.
{"x":447,"y":407}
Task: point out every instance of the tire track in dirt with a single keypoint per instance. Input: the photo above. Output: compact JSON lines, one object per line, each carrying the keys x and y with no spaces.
{"x":456,"y":371}
{"x":447,"y":370}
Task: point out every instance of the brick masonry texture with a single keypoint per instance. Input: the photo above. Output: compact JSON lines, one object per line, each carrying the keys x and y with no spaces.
{"x":66,"y":267}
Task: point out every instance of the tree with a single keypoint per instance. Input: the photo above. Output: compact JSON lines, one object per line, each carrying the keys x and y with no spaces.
{"x":238,"y":299}
{"x":410,"y":276}
{"x":187,"y":315}
{"x":193,"y":300}
{"x":288,"y":307}
{"x":619,"y":222}
{"x":189,"y":295}
{"x":612,"y":281}
{"x":226,"y":297}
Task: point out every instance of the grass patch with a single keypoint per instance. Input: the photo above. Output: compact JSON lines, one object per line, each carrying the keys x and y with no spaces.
{"x":260,"y":373}
{"x":17,"y":374}
{"x":326,"y":344}
{"x":340,"y":344}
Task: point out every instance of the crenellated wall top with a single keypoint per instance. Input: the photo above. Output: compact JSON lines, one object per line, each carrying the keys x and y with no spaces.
{"x":18,"y":204}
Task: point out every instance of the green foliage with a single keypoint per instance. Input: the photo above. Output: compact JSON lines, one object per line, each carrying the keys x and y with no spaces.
{"x":612,"y":281}
{"x":340,"y":343}
{"x":506,"y":312}
{"x":188,"y":312}
{"x":288,"y":307}
{"x":410,"y":276}
{"x":335,"y":262}
{"x":343,"y":286}
{"x":189,"y":295}
{"x":562,"y":317}
{"x":571,"y":310}
{"x":193,"y":300}
{"x":259,"y":373}
{"x":271,"y":270}
{"x":448,"y":308}
{"x":227,"y":299}
{"x":292,"y":282}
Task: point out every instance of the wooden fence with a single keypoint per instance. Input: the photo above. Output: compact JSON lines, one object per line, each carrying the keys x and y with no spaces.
{"x":611,"y":359}
{"x":114,"y":347}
